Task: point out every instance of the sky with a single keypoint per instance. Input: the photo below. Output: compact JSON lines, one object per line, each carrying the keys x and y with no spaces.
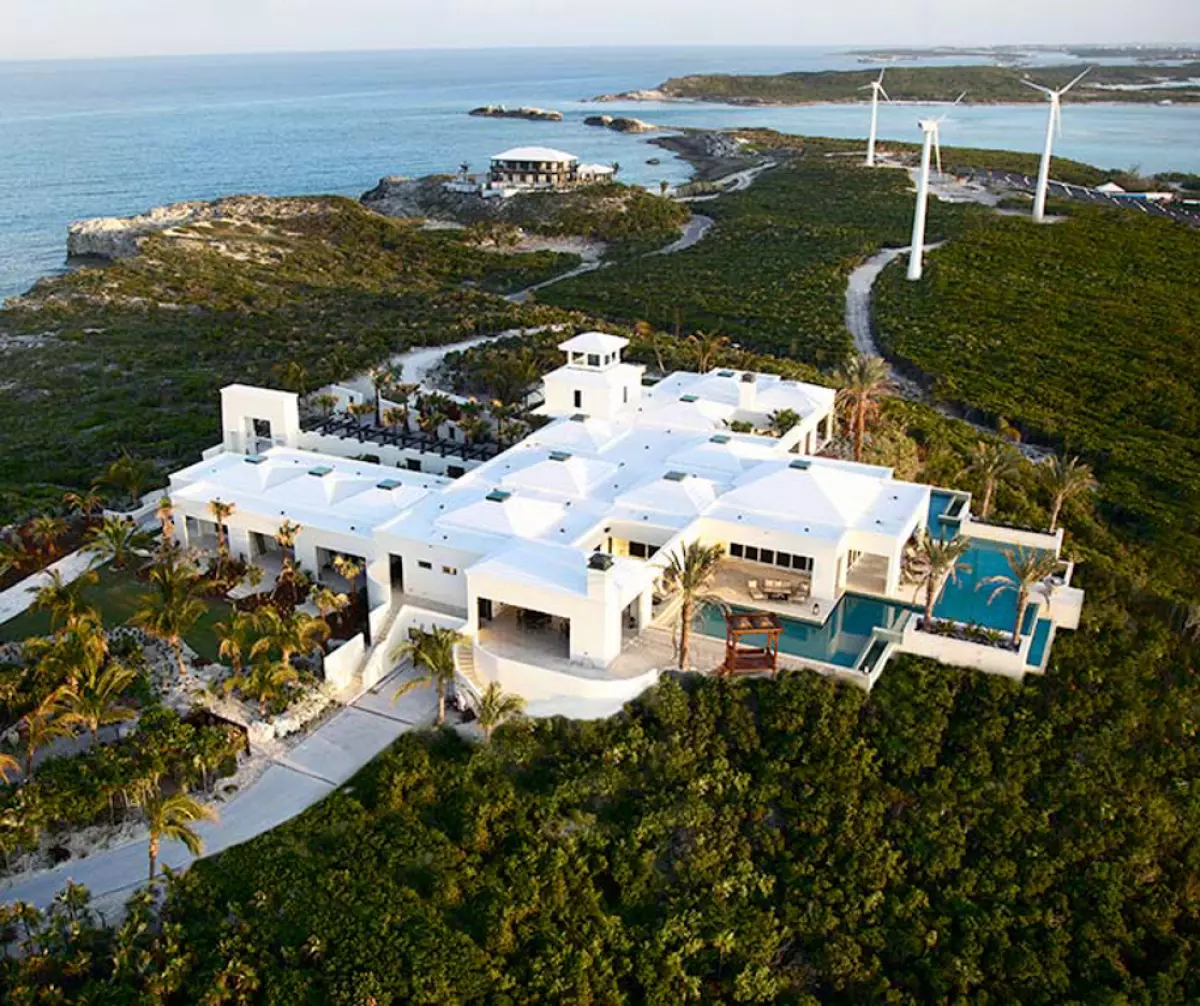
{"x":41,"y":29}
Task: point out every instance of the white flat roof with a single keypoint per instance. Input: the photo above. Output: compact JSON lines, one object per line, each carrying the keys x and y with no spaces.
{"x":346,"y":498}
{"x":534,"y":154}
{"x":559,"y":568}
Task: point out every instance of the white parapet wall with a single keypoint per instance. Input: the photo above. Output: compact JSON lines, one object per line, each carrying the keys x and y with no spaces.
{"x":342,"y":663}
{"x":554,"y":693}
{"x":1016,"y":536}
{"x":963,"y":653}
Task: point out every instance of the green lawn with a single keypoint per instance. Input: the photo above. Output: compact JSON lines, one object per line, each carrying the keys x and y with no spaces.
{"x":116,"y":598}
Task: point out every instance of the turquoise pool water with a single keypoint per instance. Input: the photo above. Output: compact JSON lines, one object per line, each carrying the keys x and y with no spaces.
{"x":966,"y":600}
{"x":1037,"y":648}
{"x":841,"y":640}
{"x":939,"y":502}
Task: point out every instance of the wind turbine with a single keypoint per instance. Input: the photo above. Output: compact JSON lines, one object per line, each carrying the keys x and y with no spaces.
{"x":916,"y":254}
{"x":876,"y":89}
{"x":1054,"y":124}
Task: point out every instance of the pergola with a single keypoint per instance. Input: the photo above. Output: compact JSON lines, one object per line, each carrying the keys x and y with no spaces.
{"x":741,"y":659}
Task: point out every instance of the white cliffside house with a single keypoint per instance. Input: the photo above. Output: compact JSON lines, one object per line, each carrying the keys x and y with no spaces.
{"x":550,"y":554}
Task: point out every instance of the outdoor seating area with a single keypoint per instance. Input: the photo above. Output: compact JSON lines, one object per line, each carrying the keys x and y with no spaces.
{"x":353,"y":428}
{"x":778,"y":590}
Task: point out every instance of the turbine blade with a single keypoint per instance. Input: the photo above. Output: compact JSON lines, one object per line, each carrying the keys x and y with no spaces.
{"x":1075,"y":81}
{"x":959,"y":99}
{"x":1036,"y":87}
{"x":882,"y":71}
{"x":937,"y":146}
{"x":867,"y":87}
{"x":1057,"y":113}
{"x":885,"y":94}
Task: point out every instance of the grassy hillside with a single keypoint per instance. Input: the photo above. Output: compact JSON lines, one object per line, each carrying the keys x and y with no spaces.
{"x":940,"y":83}
{"x":1084,"y":334}
{"x":771,"y":274}
{"x":131,"y":357}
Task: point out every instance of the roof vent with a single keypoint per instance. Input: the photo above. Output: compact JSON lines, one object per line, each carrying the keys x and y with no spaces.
{"x":255,"y":459}
{"x":801,"y":464}
{"x":579,"y":417}
{"x":560,"y":455}
{"x":675,"y":476}
{"x":749,"y":378}
{"x":387,"y":485}
{"x":719,"y":438}
{"x":497,"y":496}
{"x":724,"y":373}
{"x":320,"y":471}
{"x":600,"y":561}
{"x":687,"y":398}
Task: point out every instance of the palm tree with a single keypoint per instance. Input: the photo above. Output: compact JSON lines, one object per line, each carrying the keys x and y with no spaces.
{"x":938,"y":558}
{"x":14,"y":554}
{"x":237,"y":637}
{"x":286,"y":537}
{"x":991,"y":462}
{"x":64,"y":599}
{"x":1066,"y":478}
{"x":171,"y":817}
{"x":93,"y":701}
{"x":432,"y":653}
{"x":349,"y":569}
{"x":326,"y":403}
{"x":128,"y":475}
{"x":494,"y":708}
{"x":361,"y":410}
{"x":171,"y":607}
{"x":782,"y":420}
{"x":298,"y":632}
{"x":474,"y":428}
{"x":706,"y":349}
{"x":9,"y":766}
{"x":45,"y":533}
{"x":41,"y":725}
{"x":1027,"y":568}
{"x":164,"y":513}
{"x":265,"y":680}
{"x":85,"y":505}
{"x":689,"y":572}
{"x":329,"y":601}
{"x":221,"y":512}
{"x":117,"y":540}
{"x":864,"y":381}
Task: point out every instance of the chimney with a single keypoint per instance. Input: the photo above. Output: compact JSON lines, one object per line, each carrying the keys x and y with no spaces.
{"x":598,"y":580}
{"x":748,"y":392}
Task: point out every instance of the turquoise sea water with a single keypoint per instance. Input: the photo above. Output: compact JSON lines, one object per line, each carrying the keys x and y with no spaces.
{"x":113,"y":137}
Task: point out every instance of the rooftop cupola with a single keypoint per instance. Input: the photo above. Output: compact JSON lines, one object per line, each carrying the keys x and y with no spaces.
{"x":594,"y":350}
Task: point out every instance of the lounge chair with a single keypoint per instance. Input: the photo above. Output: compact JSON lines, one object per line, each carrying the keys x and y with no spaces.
{"x":754,"y":592}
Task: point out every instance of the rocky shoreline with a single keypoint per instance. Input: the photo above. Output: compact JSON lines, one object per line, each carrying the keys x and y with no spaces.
{"x":529,"y":113}
{"x":619,"y":124}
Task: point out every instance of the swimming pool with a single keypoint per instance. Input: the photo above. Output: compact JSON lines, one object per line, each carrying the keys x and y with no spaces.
{"x":1037,"y":648}
{"x":966,"y":599}
{"x":945,"y":512}
{"x":841,"y":640}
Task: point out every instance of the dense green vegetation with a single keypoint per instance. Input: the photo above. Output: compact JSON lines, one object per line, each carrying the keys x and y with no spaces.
{"x":934,"y":83}
{"x":131,"y":357}
{"x":1083,"y":334}
{"x":771,"y":274}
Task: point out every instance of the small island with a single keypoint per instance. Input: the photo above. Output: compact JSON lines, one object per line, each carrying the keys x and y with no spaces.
{"x":983,"y":84}
{"x":525,"y":112}
{"x":619,"y":123}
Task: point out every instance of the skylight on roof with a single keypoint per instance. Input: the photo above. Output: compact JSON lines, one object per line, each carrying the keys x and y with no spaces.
{"x":560,"y":455}
{"x":320,"y":471}
{"x":801,"y":464}
{"x":387,"y":485}
{"x":675,"y":476}
{"x":497,"y":496}
{"x":579,"y":417}
{"x":255,"y":459}
{"x":687,"y":398}
{"x":719,"y":438}
{"x":724,"y":373}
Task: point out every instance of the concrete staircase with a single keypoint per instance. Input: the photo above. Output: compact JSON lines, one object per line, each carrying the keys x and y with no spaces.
{"x":464,"y":665}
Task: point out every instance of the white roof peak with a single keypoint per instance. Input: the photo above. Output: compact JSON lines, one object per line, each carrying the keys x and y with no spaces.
{"x":593,"y":342}
{"x":534,"y":154}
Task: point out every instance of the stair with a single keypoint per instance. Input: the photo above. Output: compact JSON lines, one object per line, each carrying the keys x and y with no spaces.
{"x":464,"y":664}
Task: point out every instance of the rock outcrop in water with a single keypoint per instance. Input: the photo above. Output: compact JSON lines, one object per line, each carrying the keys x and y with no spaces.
{"x":121,"y":237}
{"x":526,"y":112}
{"x":620,"y":124}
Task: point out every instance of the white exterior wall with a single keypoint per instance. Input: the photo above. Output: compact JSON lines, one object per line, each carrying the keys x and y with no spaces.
{"x":241,"y":405}
{"x":432,"y":584}
{"x":621,"y":389}
{"x":397,"y":457}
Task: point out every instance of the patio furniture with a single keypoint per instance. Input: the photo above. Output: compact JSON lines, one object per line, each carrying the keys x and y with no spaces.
{"x":754,"y":592}
{"x":778,"y":590}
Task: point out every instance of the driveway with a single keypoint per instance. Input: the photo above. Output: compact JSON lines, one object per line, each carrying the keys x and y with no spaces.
{"x":317,"y":766}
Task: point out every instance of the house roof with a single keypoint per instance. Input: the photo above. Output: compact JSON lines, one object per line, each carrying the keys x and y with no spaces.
{"x":593,"y":342}
{"x":534,"y":154}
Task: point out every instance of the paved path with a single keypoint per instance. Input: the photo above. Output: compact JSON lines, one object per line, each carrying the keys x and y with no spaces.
{"x":307,"y":773}
{"x":694,"y":232}
{"x":19,"y":596}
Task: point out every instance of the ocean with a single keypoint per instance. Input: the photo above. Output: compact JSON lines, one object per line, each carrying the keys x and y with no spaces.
{"x":111,"y":137}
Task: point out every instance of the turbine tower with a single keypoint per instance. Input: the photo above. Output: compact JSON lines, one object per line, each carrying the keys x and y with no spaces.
{"x":876,"y":89}
{"x":1053,"y":125}
{"x":931,"y":145}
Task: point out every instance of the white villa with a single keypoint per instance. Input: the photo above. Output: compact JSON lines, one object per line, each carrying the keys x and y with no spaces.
{"x":523,"y":168}
{"x":549,"y":556}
